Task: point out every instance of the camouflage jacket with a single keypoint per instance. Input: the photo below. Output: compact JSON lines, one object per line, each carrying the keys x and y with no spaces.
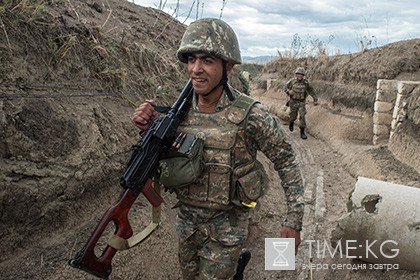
{"x":301,"y":89}
{"x":261,"y":132}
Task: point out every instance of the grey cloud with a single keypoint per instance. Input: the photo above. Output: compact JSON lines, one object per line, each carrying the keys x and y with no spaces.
{"x":263,"y":27}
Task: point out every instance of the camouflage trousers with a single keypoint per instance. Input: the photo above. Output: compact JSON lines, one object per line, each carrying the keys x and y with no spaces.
{"x":297,"y":107}
{"x":210,"y":241}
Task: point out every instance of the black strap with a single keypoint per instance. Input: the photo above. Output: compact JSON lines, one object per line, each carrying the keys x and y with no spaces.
{"x":223,"y":82}
{"x":162,"y":109}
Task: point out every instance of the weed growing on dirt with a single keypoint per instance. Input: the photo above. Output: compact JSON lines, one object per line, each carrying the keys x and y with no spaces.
{"x":118,"y":62}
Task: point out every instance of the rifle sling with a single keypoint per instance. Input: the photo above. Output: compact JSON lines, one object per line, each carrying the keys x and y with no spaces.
{"x":121,"y":244}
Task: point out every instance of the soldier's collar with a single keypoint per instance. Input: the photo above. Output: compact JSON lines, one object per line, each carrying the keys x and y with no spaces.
{"x":223,"y":100}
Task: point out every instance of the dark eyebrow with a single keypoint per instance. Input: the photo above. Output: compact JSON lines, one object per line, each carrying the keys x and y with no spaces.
{"x":203,"y":56}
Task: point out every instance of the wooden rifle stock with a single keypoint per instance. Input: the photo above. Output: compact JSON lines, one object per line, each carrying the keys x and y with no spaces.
{"x":136,"y":179}
{"x":101,"y":266}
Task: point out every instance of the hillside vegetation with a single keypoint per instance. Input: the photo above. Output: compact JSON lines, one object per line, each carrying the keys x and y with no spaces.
{"x":350,"y":80}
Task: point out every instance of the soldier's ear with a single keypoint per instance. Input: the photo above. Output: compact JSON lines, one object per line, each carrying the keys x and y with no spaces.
{"x":229,"y":67}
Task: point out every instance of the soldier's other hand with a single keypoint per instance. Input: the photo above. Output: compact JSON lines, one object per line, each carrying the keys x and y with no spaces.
{"x":291,"y":92}
{"x":315,"y":103}
{"x":288,"y":232}
{"x":144,"y":114}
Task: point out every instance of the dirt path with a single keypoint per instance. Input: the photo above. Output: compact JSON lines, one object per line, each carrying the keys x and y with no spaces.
{"x":328,"y":168}
{"x":325,"y":201}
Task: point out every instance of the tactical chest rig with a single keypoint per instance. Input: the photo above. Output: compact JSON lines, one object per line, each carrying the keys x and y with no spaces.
{"x":228,"y":163}
{"x":299,"y":89}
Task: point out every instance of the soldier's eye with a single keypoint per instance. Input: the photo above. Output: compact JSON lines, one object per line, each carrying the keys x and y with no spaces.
{"x":207,"y":59}
{"x":191,"y":58}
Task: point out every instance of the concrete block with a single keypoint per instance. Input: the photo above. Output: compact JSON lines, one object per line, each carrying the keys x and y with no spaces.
{"x":380,"y":139}
{"x":386,"y":95}
{"x":387,"y":85}
{"x":382,"y":118}
{"x":382,"y":223}
{"x":381,"y":106}
{"x":395,"y":112}
{"x":381,"y":129}
{"x":406,"y":87}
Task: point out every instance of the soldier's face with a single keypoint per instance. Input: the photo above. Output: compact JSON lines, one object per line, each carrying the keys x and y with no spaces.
{"x":205,"y":71}
{"x":299,"y":76}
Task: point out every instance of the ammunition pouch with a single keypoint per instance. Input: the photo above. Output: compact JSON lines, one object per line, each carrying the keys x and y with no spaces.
{"x":248,"y":188}
{"x":183,"y":165}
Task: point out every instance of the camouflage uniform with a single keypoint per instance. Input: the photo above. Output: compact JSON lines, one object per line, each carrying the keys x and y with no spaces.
{"x":213,"y":217}
{"x":297,"y":101}
{"x":212,"y":223}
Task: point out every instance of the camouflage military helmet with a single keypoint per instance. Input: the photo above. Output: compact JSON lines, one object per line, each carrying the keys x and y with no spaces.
{"x":300,"y":70}
{"x":213,"y":36}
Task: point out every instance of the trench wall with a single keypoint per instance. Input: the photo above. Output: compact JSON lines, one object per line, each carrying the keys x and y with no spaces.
{"x":396,"y":119}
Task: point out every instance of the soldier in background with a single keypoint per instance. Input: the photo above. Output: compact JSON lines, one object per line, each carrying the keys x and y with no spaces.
{"x":298,"y":89}
{"x":214,"y":208}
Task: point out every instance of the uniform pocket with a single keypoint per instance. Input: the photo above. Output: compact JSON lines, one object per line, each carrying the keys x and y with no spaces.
{"x":184,"y":166}
{"x":249,"y":188}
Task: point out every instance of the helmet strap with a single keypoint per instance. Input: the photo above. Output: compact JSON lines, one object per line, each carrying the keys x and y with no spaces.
{"x":223,"y":82}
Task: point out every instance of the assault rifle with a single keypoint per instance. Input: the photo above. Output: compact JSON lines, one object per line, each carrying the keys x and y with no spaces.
{"x":136,"y":179}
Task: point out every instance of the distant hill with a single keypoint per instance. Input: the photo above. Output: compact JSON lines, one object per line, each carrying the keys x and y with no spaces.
{"x":257,"y":59}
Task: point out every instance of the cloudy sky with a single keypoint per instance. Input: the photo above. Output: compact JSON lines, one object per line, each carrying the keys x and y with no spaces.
{"x":296,"y":27}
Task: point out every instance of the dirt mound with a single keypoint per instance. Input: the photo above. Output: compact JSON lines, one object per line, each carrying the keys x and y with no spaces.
{"x":396,"y":61}
{"x":72,"y":72}
{"x":350,"y":80}
{"x":112,"y":46}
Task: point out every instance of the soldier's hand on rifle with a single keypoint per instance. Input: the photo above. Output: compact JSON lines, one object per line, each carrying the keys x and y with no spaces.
{"x":291,"y":92}
{"x":144,"y":114}
{"x":315,"y":103}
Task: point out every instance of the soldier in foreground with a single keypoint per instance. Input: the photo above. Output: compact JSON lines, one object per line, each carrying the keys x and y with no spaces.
{"x":298,"y":89}
{"x":215,"y":202}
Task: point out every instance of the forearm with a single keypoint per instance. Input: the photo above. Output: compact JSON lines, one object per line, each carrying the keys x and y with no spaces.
{"x":295,"y":207}
{"x":268,"y":137}
{"x":292,"y":183}
{"x":312,"y":93}
{"x":287,"y":166}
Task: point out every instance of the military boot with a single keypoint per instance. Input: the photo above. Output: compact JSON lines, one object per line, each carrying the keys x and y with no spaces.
{"x":302,"y":133}
{"x":242,"y":262}
{"x":291,"y":125}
